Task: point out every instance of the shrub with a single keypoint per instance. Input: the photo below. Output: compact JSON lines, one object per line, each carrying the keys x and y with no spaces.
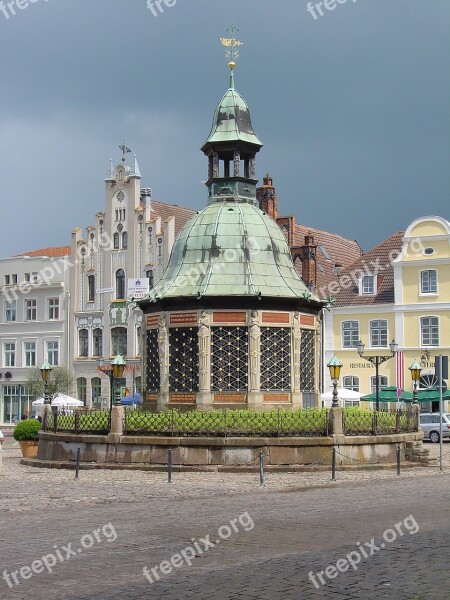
{"x":27,"y":430}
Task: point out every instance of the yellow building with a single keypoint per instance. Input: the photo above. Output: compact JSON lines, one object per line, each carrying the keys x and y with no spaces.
{"x":399,"y":291}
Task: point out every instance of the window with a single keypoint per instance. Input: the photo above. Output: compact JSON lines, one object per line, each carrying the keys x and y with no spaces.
{"x":14,"y":279}
{"x":97,"y":336}
{"x":120,"y":284}
{"x":149,"y":275}
{"x":116,"y":241}
{"x":7,"y":280}
{"x":124,"y":240}
{"x":429,"y":331}
{"x":53,"y":353}
{"x":83,"y":343}
{"x":91,"y":288}
{"x":53,"y":309}
{"x":351,"y":382}
{"x":350,"y":334}
{"x":81,"y":389}
{"x":10,"y":311}
{"x":382,"y":383}
{"x":368,"y":284}
{"x":10,"y":354}
{"x":34,"y":277}
{"x":96,"y":387}
{"x":379,"y":333}
{"x":30,"y":354}
{"x":30,"y":310}
{"x":27,"y":277}
{"x":428,"y":282}
{"x":119,"y":341}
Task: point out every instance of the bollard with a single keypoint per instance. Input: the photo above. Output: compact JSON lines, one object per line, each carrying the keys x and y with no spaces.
{"x":77,"y":468}
{"x":169,"y":466}
{"x":261,"y":468}
{"x":333,"y":466}
{"x":398,"y":458}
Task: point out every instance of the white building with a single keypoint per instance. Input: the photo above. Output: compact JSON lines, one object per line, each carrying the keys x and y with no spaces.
{"x":35,"y":304}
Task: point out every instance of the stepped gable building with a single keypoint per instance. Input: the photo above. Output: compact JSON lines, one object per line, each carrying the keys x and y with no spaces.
{"x":231,"y":323}
{"x":132,"y":238}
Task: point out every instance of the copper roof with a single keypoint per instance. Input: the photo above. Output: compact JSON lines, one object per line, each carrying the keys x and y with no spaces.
{"x":165,"y":211}
{"x":52,"y":252}
{"x":375,"y":262}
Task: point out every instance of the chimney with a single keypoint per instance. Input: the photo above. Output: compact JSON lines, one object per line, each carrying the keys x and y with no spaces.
{"x":267,"y":197}
{"x":309,"y":262}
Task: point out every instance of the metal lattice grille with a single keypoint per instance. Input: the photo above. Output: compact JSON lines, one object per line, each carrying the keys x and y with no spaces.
{"x":153,"y":375}
{"x":183,"y":370}
{"x":229,"y":359}
{"x":275,"y":359}
{"x":307,"y":361}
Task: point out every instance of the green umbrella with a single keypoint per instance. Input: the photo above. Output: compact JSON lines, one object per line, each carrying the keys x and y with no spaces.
{"x":388,"y":394}
{"x":431,"y":394}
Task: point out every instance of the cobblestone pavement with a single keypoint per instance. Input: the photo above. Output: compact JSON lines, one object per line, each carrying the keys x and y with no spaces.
{"x":302,"y":523}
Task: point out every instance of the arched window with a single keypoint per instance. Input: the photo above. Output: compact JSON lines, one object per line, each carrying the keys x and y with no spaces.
{"x":81,"y":389}
{"x":83,"y":343}
{"x":149,"y":275}
{"x":116,"y":241}
{"x":96,"y":390}
{"x":91,"y":288}
{"x":119,"y":341}
{"x":124,"y":240}
{"x":97,"y":337}
{"x":120,"y":284}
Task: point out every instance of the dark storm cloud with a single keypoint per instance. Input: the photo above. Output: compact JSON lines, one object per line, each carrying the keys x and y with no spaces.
{"x":352,"y":108}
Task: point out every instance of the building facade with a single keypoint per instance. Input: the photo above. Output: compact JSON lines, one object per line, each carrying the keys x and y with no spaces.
{"x":398,"y":291}
{"x":34,"y":324}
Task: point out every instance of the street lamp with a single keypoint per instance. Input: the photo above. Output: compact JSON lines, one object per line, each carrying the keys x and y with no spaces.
{"x":46,"y":369}
{"x":335,"y":370}
{"x":415,"y":369}
{"x":114,"y":371}
{"x":377,"y":361}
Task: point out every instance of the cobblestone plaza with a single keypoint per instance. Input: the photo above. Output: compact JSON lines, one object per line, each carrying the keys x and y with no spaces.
{"x":303,"y":524}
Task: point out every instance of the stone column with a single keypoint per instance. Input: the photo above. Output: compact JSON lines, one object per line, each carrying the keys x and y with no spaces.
{"x":255,"y":397}
{"x":297,"y":336}
{"x":215,"y":164}
{"x":204,"y":396}
{"x":253,"y":167}
{"x":163,"y":344}
{"x":237,"y":163}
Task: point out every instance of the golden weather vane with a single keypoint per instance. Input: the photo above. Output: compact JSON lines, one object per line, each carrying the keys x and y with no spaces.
{"x":231,"y":44}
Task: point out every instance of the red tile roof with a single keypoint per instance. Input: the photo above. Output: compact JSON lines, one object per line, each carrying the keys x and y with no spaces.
{"x":332,"y":250}
{"x":165,"y":211}
{"x":375,"y":262}
{"x":53,"y":252}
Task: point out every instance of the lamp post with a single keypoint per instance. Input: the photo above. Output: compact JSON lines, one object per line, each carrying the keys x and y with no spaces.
{"x":377,"y":361}
{"x":335,"y":370}
{"x":415,"y":369}
{"x":46,"y":369}
{"x":114,"y":371}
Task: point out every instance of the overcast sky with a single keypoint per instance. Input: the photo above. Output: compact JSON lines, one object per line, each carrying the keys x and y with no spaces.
{"x":352,"y":107}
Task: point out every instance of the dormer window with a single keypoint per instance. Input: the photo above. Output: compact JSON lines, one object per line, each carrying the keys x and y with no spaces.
{"x":368,"y":285}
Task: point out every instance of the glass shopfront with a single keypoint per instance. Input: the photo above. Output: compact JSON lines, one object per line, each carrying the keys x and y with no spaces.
{"x":16,"y":402}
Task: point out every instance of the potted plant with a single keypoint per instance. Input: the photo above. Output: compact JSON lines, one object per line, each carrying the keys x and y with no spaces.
{"x":26,"y":433}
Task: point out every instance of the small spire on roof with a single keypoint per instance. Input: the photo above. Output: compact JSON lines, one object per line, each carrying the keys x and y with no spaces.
{"x":232,"y":53}
{"x":110,"y":174}
{"x":136,"y":170}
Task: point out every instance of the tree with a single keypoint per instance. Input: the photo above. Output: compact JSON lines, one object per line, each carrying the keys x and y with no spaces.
{"x":61,"y":381}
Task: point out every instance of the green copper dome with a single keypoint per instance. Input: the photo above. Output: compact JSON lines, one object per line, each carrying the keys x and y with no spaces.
{"x":230,"y":249}
{"x":231,"y":121}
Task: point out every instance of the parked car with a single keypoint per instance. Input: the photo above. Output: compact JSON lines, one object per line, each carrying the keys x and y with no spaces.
{"x":429,"y":423}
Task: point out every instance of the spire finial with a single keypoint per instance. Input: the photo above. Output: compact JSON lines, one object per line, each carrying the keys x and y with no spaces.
{"x":232,"y":53}
{"x":125,"y":150}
